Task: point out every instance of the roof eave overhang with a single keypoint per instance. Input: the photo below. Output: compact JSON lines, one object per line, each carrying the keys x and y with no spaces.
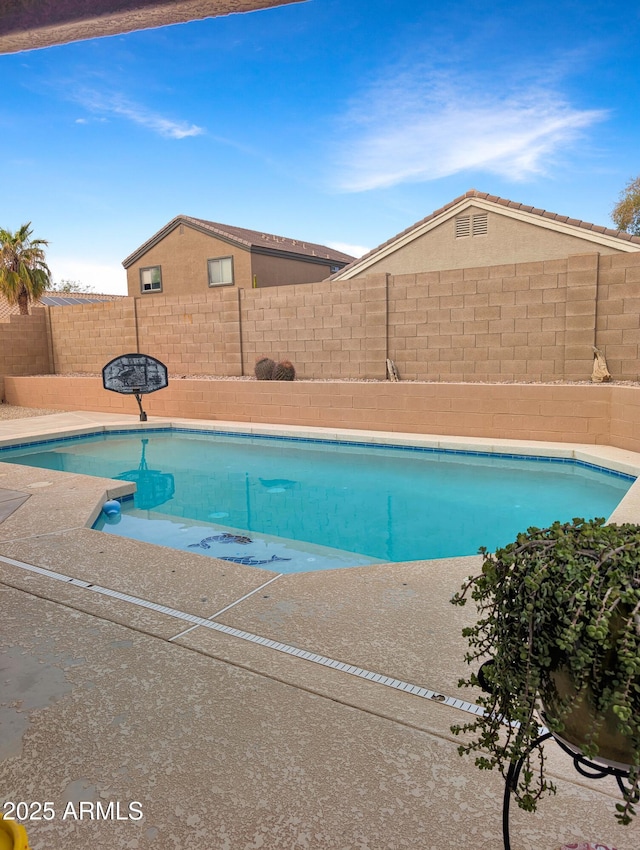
{"x":291,"y":255}
{"x":409,"y":236}
{"x":32,"y":24}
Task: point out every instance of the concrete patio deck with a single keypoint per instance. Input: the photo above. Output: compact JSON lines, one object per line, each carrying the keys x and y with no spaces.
{"x":138,"y":674}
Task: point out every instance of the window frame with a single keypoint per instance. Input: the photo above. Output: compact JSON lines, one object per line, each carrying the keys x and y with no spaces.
{"x":223,"y":282}
{"x":151,"y":288}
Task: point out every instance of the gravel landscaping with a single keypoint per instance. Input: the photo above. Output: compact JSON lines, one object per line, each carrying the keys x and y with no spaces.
{"x":10,"y":411}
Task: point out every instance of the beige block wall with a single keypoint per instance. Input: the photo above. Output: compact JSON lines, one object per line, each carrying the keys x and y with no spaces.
{"x":618,"y":314}
{"x":24,"y":346}
{"x":510,"y":322}
{"x":86,"y":336}
{"x":508,"y":240}
{"x":193,"y":334}
{"x":183,"y":255}
{"x":325,"y":329}
{"x":592,"y":414}
{"x":496,"y":323}
{"x":625,"y":417}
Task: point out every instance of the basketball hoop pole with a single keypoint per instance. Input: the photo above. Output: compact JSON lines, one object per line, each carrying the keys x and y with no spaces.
{"x":143,"y":415}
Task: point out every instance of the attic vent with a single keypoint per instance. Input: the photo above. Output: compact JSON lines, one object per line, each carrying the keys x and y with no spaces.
{"x":477,"y":225}
{"x":480,"y":224}
{"x":463,"y":226}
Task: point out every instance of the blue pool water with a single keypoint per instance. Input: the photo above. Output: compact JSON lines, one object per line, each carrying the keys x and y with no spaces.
{"x":292,"y":505}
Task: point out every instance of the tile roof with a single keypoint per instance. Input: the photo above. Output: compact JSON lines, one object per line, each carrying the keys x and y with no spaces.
{"x":504,"y":202}
{"x":259,"y":239}
{"x":250,"y":239}
{"x":565,"y":219}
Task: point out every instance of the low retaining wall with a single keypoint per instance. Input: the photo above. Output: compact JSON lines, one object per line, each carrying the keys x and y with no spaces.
{"x":582,"y":413}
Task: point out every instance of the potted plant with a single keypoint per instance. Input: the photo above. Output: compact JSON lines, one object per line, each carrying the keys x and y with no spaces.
{"x":559,"y":617}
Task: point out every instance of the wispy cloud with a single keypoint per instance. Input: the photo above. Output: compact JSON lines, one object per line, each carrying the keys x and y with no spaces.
{"x":420,"y":127}
{"x":118,"y":106}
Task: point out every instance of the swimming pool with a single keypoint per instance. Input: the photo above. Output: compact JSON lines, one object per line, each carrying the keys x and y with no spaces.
{"x":293,"y":505}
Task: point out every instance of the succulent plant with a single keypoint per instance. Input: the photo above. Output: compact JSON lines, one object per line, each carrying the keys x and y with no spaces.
{"x":559,"y":617}
{"x":284,"y":371}
{"x":264,"y":369}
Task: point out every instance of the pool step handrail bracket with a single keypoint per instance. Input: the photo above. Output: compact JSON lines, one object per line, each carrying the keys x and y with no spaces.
{"x":135,"y":374}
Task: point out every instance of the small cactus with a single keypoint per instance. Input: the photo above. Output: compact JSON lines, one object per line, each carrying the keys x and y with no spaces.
{"x":284,"y":371}
{"x":264,"y":369}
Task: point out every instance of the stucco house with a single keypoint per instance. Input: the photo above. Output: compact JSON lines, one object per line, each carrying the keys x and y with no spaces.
{"x":478,"y":229}
{"x":190,"y":255}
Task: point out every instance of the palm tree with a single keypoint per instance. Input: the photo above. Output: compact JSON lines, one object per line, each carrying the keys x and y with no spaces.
{"x":24,"y":275}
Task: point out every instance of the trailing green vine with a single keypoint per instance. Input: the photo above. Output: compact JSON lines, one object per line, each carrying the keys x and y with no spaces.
{"x":559,"y":603}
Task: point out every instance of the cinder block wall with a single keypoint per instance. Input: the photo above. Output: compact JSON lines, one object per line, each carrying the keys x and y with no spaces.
{"x":618,"y":314}
{"x":24,"y":346}
{"x":523,"y":322}
{"x":193,"y":334}
{"x":328,"y":330}
{"x":593,"y":414}
{"x":496,"y":323}
{"x":86,"y":336}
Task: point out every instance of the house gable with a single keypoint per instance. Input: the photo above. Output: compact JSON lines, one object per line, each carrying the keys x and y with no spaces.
{"x":481,"y":230}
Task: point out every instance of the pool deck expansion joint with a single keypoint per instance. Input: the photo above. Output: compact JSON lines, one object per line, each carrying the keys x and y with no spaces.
{"x":209,"y":623}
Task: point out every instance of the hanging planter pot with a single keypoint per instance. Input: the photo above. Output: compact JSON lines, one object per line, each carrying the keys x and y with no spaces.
{"x":583,"y":723}
{"x":559,"y":617}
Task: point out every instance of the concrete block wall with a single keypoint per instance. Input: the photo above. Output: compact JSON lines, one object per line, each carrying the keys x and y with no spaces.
{"x":193,"y":334}
{"x":86,"y":336}
{"x":328,"y":330}
{"x":580,"y":320}
{"x":618,"y":314}
{"x":532,"y":321}
{"x":24,"y":346}
{"x":580,"y":413}
{"x":494,"y":323}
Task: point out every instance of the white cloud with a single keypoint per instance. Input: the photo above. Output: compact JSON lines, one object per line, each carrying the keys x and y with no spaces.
{"x":101,"y":277}
{"x":417,"y":128}
{"x":346,"y":248}
{"x":116,"y":105}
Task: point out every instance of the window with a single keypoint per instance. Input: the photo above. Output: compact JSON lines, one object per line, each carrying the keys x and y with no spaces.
{"x":220,"y":271}
{"x":477,"y":225}
{"x":151,"y":279}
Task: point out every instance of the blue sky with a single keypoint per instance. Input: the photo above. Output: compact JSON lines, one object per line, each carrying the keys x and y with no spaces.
{"x":334,"y":121}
